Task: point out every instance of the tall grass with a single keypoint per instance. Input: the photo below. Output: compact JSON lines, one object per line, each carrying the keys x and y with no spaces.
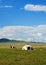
{"x":22,"y":57}
{"x":9,"y":56}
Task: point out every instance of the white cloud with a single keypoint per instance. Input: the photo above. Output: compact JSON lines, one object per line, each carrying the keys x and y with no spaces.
{"x":39,"y":34}
{"x":28,"y":39}
{"x":6,"y":6}
{"x":32,"y":7}
{"x":25,"y":33}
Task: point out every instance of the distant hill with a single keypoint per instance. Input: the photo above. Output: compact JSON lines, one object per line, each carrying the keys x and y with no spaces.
{"x":4,"y":40}
{"x":8,"y":40}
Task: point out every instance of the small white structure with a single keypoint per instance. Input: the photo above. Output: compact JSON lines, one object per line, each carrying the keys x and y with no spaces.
{"x":27,"y":47}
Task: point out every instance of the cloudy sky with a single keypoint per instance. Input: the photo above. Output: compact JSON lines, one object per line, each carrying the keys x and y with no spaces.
{"x":23,"y":20}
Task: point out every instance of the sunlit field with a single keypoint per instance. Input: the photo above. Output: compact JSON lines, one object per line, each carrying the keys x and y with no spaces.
{"x":17,"y":56}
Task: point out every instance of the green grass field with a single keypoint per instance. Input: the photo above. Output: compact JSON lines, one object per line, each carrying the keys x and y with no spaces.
{"x":9,"y":56}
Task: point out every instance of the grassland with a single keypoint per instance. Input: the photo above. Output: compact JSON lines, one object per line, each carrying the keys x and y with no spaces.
{"x":9,"y":56}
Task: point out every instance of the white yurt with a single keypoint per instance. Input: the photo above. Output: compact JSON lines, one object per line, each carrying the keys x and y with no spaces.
{"x":27,"y":47}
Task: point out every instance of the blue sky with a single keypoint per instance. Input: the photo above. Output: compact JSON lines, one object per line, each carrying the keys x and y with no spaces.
{"x":16,"y":16}
{"x":23,"y":13}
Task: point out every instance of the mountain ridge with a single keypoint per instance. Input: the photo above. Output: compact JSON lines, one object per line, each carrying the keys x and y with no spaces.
{"x":8,"y":40}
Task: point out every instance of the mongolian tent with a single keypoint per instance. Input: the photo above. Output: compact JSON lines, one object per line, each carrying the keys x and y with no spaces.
{"x":27,"y":47}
